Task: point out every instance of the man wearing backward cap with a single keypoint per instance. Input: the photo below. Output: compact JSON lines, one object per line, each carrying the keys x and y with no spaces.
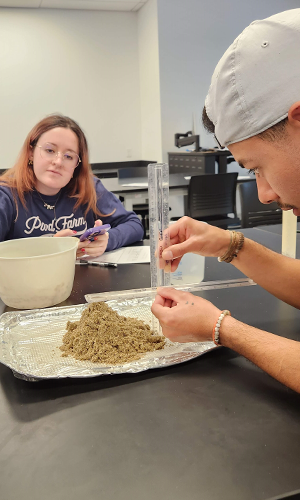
{"x":253,"y":108}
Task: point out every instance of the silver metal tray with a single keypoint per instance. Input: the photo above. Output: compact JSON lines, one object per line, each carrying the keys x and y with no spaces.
{"x":30,"y":340}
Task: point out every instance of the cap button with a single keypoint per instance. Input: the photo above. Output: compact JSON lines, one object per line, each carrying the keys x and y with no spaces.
{"x":264,"y":44}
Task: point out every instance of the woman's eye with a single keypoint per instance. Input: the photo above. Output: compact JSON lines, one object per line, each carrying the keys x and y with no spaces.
{"x":68,"y":157}
{"x":50,"y":151}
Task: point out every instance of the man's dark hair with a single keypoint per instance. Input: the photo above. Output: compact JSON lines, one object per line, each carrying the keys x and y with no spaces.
{"x":207,"y":123}
{"x":272,"y":134}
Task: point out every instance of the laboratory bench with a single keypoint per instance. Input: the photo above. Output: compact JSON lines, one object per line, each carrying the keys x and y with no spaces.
{"x":216,"y":427}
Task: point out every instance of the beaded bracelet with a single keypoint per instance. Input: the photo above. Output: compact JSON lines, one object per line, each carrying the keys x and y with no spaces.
{"x":216,"y":330}
{"x":235,"y":245}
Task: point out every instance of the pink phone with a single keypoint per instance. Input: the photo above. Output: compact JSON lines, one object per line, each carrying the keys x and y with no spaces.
{"x":91,"y":233}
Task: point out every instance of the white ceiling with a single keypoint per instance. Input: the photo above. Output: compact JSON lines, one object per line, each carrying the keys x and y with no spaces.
{"x":121,"y":5}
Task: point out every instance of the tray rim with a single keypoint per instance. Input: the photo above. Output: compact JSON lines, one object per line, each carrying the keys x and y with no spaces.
{"x":33,"y":378}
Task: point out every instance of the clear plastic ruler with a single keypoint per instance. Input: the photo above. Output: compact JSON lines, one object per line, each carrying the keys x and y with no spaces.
{"x":148,"y":292}
{"x":158,"y":193}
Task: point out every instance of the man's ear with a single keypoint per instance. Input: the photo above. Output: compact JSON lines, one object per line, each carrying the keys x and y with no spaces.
{"x":294,"y":114}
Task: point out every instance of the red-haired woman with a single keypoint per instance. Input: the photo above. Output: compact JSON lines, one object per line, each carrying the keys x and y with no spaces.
{"x":51,"y":191}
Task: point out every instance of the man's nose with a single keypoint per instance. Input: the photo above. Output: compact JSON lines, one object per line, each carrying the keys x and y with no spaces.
{"x":265,"y":192}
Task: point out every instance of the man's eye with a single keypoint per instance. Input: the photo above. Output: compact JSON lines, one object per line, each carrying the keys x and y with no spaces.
{"x":253,"y":171}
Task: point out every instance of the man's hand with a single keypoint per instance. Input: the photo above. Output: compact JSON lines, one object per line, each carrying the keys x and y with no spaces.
{"x":183,"y":316}
{"x":188,"y":235}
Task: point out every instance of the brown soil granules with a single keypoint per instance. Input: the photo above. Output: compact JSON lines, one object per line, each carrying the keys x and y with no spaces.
{"x":102,"y":336}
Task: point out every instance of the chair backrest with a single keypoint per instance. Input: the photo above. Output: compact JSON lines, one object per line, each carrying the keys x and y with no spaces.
{"x":212,"y":195}
{"x":255,"y":213}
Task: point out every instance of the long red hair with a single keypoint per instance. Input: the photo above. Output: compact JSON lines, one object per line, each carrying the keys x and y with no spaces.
{"x":21,"y":178}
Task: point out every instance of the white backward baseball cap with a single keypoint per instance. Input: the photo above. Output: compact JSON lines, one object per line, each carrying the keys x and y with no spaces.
{"x":257,"y":79}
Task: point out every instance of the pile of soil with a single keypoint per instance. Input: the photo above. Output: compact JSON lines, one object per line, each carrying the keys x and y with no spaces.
{"x":103,"y":336}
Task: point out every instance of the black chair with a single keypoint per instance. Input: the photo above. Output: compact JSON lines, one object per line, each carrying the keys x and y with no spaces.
{"x":211,"y":198}
{"x":143,"y":211}
{"x":253,"y":212}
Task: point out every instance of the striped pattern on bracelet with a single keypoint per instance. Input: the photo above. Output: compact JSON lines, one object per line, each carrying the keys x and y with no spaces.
{"x":235,"y":245}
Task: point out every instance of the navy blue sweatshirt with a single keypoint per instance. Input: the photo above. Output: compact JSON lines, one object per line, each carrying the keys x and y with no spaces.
{"x":36,"y":220}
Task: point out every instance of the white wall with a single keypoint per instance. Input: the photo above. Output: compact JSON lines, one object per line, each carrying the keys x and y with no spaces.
{"x":151,"y":134}
{"x":193,"y":35}
{"x":130,"y":79}
{"x":80,"y":63}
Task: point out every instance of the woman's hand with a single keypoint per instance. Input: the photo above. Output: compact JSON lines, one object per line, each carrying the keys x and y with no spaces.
{"x":191,"y":236}
{"x":183,"y":316}
{"x":92,"y":248}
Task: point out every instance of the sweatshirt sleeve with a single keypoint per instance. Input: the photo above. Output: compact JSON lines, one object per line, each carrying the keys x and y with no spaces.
{"x":7,"y":212}
{"x":126,"y":227}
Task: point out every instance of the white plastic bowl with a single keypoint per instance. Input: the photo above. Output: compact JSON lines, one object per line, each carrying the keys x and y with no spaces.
{"x":37,"y":272}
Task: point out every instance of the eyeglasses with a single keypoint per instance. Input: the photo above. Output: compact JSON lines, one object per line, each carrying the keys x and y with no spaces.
{"x":69,"y":158}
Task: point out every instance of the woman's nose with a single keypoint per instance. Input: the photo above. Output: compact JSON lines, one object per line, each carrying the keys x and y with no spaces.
{"x":265,"y":192}
{"x":58,"y":159}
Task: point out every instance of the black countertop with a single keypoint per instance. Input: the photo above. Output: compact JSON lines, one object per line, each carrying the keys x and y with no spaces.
{"x":213,"y":428}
